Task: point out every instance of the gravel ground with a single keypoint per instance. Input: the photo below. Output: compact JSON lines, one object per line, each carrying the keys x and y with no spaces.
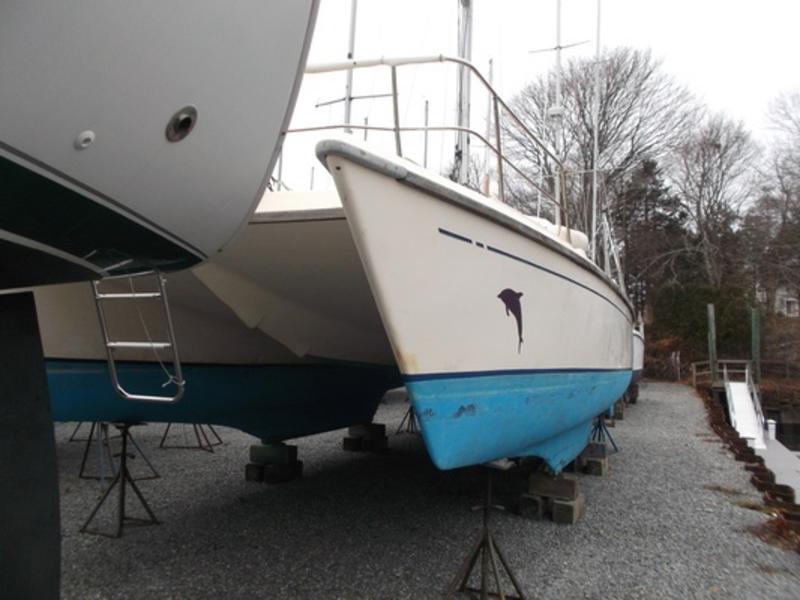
{"x":391,"y":526}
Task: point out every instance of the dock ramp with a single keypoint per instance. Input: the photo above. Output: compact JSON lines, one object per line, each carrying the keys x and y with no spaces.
{"x":744,"y":408}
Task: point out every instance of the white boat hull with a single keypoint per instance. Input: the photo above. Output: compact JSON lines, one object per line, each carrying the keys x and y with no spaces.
{"x":510,"y":342}
{"x":138,"y":135}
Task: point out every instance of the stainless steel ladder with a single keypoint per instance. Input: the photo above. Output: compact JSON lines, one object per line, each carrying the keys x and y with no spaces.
{"x":176,"y":377}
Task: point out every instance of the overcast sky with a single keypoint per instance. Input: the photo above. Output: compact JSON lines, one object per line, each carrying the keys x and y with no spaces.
{"x":736,"y":55}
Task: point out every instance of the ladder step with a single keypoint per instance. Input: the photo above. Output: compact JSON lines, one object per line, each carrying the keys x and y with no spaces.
{"x":139,"y":345}
{"x":129,"y":296}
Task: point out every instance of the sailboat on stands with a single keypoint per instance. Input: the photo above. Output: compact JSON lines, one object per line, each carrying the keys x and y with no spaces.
{"x":509,"y":338}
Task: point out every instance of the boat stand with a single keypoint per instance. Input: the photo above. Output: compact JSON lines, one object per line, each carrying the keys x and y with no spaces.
{"x":487,"y":549}
{"x":409,"y":423}
{"x":104,"y":440}
{"x":104,"y":450}
{"x":203,"y":440}
{"x":601,"y":434}
{"x":122,"y":479}
{"x":74,"y":437}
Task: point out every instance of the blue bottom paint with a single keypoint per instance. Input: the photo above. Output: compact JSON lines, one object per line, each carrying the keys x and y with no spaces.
{"x":468,"y":419}
{"x":271,"y":402}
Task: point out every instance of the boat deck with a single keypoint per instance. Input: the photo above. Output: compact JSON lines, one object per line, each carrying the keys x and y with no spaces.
{"x":668,"y":521}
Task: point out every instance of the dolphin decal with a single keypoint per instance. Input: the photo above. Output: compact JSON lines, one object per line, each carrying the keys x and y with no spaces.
{"x":511,"y":300}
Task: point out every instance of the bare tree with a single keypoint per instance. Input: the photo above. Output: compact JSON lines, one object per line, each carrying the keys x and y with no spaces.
{"x":711,"y":172}
{"x":643,"y":113}
{"x":784,"y":115}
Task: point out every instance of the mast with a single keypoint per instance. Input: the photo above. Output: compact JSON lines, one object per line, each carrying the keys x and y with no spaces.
{"x":557,"y":112}
{"x":595,"y":136}
{"x":465,"y":52}
{"x":348,"y":89}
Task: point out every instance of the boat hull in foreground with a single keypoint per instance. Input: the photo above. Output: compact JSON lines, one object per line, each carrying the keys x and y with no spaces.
{"x":509,"y":340}
{"x":136,"y":135}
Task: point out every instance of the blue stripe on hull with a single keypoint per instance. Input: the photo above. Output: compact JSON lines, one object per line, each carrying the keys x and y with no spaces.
{"x":272,"y":402}
{"x":469,"y":419}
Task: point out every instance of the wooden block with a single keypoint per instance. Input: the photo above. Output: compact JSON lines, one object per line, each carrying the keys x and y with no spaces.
{"x":368,"y":430}
{"x":594,"y":450}
{"x":596,"y":466}
{"x":254,"y":472}
{"x":561,"y":486}
{"x":531,"y":507}
{"x":619,"y":411}
{"x":351,"y":444}
{"x":378,"y":444}
{"x":577,"y":465}
{"x":568,"y":512}
{"x":273,"y":453}
{"x":281,"y":473}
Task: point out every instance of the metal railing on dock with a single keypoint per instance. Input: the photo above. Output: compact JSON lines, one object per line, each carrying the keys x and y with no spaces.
{"x":705,"y":371}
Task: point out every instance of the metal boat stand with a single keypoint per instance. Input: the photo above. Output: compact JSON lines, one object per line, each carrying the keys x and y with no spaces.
{"x":104,"y":451}
{"x":104,"y":440}
{"x":74,"y":436}
{"x":487,"y":549}
{"x":122,"y":480}
{"x":409,"y":422}
{"x":601,"y":434}
{"x":203,"y":441}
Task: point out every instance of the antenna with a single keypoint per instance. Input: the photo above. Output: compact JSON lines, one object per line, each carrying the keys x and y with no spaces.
{"x":559,"y":47}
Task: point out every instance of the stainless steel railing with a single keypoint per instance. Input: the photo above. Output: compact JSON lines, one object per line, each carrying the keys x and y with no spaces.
{"x":499,"y":108}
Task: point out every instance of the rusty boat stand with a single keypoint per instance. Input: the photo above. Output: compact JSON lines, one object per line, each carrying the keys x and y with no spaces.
{"x":122,"y":479}
{"x":489,"y":552}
